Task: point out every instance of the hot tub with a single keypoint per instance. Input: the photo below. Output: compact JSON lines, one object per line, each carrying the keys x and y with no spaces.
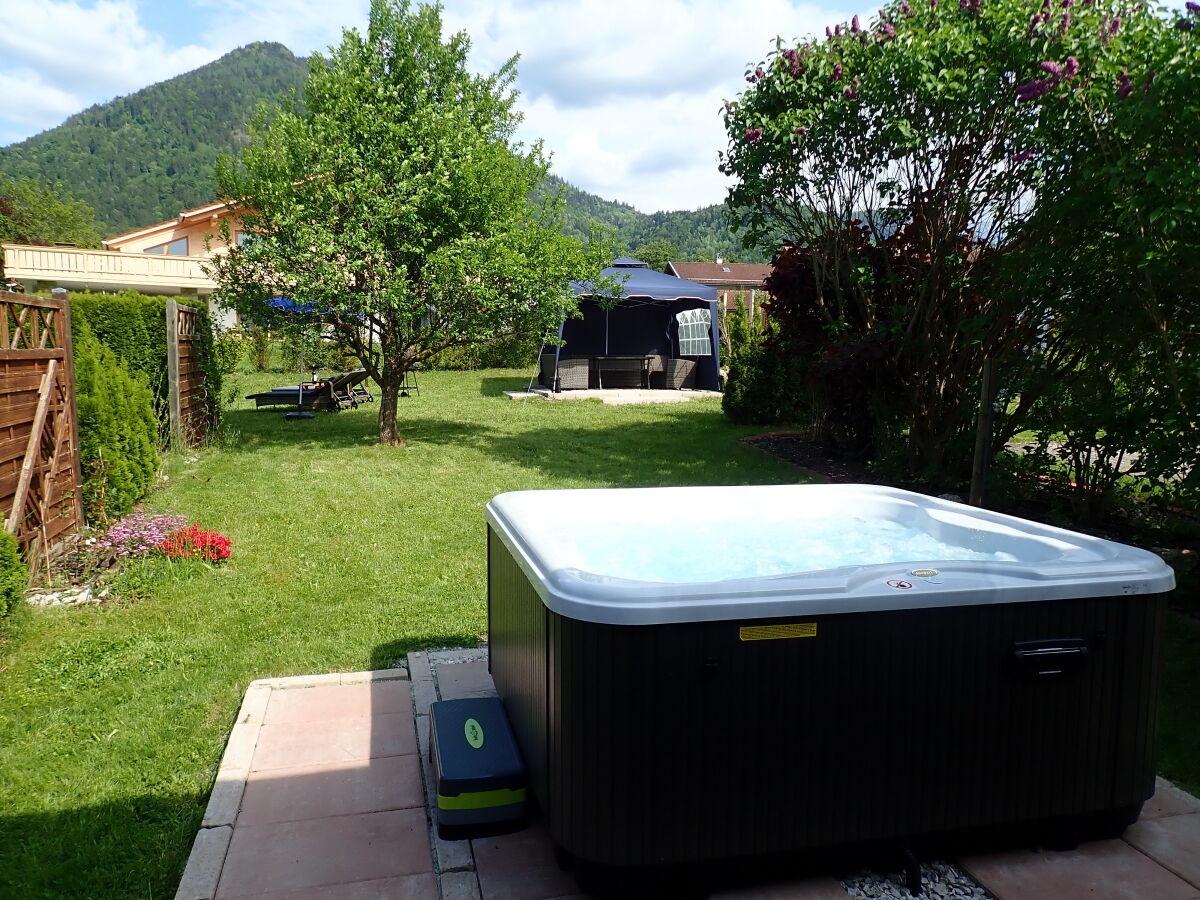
{"x":708,"y":673}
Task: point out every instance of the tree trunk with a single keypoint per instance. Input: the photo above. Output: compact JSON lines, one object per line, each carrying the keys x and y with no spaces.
{"x":389,"y":393}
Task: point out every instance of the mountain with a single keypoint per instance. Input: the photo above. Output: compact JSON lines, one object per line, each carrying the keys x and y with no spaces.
{"x":140,"y":159}
{"x":700,"y":234}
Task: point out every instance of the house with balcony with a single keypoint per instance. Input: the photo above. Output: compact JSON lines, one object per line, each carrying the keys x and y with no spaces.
{"x":167,"y":258}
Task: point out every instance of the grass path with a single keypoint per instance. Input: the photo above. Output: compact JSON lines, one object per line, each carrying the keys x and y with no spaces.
{"x":346,"y":556}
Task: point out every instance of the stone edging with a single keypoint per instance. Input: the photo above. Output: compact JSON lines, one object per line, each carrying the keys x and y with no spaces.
{"x":203,"y":869}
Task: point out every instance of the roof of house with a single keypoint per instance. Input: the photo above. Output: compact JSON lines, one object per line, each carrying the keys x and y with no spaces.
{"x":722,"y":273}
{"x":208,"y":211}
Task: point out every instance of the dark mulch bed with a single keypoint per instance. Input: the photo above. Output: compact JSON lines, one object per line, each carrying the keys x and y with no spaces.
{"x":795,"y":448}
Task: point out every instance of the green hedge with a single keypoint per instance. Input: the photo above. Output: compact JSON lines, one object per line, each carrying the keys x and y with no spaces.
{"x":134,"y":327}
{"x":118,"y":430}
{"x":14,"y":574}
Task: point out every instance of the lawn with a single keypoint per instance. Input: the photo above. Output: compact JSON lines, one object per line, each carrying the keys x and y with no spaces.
{"x":346,"y":556}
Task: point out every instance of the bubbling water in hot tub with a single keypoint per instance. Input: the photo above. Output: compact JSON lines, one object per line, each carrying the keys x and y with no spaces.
{"x":646,"y":551}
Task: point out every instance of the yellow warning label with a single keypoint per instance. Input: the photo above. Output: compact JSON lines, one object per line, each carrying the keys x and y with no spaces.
{"x":775,"y":632}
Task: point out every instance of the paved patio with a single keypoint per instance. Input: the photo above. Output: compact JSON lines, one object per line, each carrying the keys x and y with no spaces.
{"x":615,"y":396}
{"x":321,"y":796}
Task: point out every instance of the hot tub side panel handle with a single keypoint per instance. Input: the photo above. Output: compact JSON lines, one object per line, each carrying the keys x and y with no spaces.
{"x":1049,"y":658}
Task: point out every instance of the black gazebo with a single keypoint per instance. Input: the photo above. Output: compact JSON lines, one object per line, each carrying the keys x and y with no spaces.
{"x":660,"y":325}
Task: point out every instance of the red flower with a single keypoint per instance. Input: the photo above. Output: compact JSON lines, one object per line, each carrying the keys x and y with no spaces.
{"x":194,"y":543}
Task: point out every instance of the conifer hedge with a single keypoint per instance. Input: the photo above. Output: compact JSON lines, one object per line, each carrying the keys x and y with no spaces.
{"x":14,"y":574}
{"x":134,"y":327}
{"x":118,"y":430}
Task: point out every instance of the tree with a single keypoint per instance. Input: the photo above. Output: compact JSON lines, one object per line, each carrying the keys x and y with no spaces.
{"x":971,"y":180}
{"x":394,"y":204}
{"x":35,"y":213}
{"x":656,"y":254}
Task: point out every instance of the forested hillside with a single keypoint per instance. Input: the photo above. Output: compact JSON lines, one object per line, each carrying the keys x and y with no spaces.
{"x":141,"y":159}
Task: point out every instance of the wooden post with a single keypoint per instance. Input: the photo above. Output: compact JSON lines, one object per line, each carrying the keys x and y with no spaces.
{"x":983,"y":434}
{"x":68,"y":375}
{"x":176,"y":411}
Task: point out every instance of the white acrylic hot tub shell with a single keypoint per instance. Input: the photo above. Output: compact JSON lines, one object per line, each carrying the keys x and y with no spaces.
{"x":550,"y":533}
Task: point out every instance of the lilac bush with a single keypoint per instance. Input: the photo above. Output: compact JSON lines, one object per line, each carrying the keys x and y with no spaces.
{"x":139,"y":533}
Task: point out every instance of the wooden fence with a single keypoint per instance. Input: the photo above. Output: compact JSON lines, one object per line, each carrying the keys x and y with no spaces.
{"x":190,"y":420}
{"x":39,"y":442}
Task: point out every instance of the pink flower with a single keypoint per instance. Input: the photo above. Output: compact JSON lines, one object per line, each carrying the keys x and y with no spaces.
{"x":753,"y":135}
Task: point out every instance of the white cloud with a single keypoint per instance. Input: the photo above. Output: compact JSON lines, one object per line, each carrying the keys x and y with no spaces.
{"x":624,"y":93}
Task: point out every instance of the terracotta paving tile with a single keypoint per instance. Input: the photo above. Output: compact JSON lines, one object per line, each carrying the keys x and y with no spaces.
{"x":805,"y":889}
{"x":1169,"y":800}
{"x":402,"y":887}
{"x":333,"y":789}
{"x":339,"y":701}
{"x":334,"y":740}
{"x":520,"y":866}
{"x":1101,"y":870}
{"x":293,"y":856}
{"x":1172,"y":841}
{"x":464,"y":680}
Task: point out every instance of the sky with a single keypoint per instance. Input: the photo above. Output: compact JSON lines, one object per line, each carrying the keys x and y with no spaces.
{"x":625,"y":94}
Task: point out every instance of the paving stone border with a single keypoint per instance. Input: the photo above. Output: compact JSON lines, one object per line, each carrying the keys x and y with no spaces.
{"x":203,"y":869}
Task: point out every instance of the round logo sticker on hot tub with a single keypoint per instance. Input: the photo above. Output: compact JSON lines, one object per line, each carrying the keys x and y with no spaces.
{"x":474,"y":733}
{"x":899,"y":585}
{"x":924,"y":573}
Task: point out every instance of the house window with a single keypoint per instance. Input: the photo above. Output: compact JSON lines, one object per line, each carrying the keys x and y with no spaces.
{"x":694,"y":332}
{"x":175,"y":248}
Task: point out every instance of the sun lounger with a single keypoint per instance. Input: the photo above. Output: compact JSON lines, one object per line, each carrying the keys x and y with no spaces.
{"x":340,"y":392}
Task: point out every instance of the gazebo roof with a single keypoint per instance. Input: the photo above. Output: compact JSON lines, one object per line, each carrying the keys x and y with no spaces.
{"x":644,"y":283}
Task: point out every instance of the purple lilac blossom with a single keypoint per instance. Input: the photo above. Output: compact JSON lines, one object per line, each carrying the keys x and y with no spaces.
{"x":837,"y":72}
{"x":906,"y":9}
{"x":1066,"y":23}
{"x":854,"y":26}
{"x":1052,"y":68}
{"x":1072,"y":68}
{"x":801,"y":131}
{"x":849,"y":93}
{"x":1023,"y":156}
{"x":1033,"y":90}
{"x":828,"y":32}
{"x":1124,"y":87}
{"x":753,"y":135}
{"x":889,"y":29}
{"x":1193,"y":8}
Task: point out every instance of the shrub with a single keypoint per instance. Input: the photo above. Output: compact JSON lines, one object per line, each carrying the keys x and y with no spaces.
{"x":227,"y":348}
{"x":764,"y":387}
{"x":134,"y":327}
{"x":508,"y":352}
{"x":118,"y":431}
{"x":260,"y":348}
{"x":14,"y":574}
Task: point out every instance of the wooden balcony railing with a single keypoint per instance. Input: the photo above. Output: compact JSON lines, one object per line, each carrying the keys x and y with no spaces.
{"x":104,"y":269}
